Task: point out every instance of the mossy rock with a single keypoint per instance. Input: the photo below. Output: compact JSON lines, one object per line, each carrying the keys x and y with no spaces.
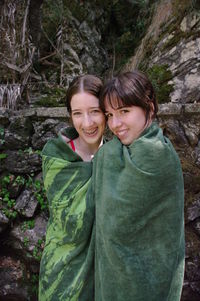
{"x":160,"y":75}
{"x":50,"y":102}
{"x":181,"y":7}
{"x":54,"y":97}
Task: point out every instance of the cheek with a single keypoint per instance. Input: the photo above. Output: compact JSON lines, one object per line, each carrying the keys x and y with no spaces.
{"x":137,"y":118}
{"x":75,"y":122}
{"x":101,"y":120}
{"x":109,"y":123}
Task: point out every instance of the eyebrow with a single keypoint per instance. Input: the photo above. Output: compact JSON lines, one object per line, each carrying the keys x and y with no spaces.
{"x":89,"y":108}
{"x":118,"y":108}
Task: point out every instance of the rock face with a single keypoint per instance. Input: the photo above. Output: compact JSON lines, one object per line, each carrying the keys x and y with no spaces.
{"x":78,"y":41}
{"x":38,"y":54}
{"x":169,"y":53}
{"x":23,"y":205}
{"x":173,"y":41}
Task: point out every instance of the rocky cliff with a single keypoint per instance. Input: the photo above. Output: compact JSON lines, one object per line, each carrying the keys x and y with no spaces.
{"x":170,"y":54}
{"x":170,"y":51}
{"x":37,"y":63}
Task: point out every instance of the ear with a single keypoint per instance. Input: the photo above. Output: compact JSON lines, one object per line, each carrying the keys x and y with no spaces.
{"x":152,"y":110}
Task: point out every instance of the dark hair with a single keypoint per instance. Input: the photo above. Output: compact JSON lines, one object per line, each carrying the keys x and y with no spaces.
{"x":83,"y":83}
{"x":130,"y":89}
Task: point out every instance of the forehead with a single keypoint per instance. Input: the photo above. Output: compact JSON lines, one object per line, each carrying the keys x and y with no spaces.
{"x":113,"y":102}
{"x":83,"y":100}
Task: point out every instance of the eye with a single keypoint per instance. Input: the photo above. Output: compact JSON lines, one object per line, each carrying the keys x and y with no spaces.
{"x":108,"y":115}
{"x":96,"y":111}
{"x":76,"y":113}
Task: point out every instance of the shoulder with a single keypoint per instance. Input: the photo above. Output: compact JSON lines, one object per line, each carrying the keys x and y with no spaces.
{"x":153,"y":150}
{"x":68,"y":133}
{"x":58,"y":149}
{"x":110,"y":147}
{"x":50,"y":146}
{"x":151,"y":139}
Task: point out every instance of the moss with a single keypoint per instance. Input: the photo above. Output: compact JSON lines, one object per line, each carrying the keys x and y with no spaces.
{"x":181,"y":7}
{"x":160,"y":75}
{"x":54,"y":97}
{"x":49,"y":102}
{"x":180,"y":10}
{"x":128,"y":24}
{"x":148,"y":50}
{"x":178,"y":36}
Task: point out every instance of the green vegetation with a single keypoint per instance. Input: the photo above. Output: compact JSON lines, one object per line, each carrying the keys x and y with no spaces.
{"x":3,"y":156}
{"x":54,"y":97}
{"x":27,"y":225}
{"x":34,"y":281}
{"x":19,"y":180}
{"x":160,"y":75}
{"x":181,"y":7}
{"x":37,"y":251}
{"x":40,"y":194}
{"x":38,"y":190}
{"x":129,"y":23}
{"x":26,"y":241}
{"x":2,"y":140}
{"x":121,"y":24}
{"x":6,"y":202}
{"x":29,"y":151}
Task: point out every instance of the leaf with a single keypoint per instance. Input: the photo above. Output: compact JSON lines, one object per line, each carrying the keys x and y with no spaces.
{"x":3,"y":156}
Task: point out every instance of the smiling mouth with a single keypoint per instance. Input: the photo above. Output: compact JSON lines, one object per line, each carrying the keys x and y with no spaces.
{"x":121,"y":133}
{"x":91,"y":133}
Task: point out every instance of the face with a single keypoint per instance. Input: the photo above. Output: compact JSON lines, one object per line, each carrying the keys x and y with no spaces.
{"x":127,"y":123}
{"x":87,"y":118}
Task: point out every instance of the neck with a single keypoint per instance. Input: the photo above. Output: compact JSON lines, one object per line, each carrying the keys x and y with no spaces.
{"x":85,"y":150}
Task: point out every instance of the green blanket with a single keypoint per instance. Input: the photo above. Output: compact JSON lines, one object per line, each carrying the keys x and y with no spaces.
{"x":139,"y":198}
{"x":66,"y":270}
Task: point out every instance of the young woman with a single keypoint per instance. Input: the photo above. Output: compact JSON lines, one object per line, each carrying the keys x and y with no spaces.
{"x":66,"y":271}
{"x":139,"y":197}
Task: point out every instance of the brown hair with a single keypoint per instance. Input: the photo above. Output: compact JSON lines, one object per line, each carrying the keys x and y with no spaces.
{"x":130,"y":89}
{"x":83,"y":83}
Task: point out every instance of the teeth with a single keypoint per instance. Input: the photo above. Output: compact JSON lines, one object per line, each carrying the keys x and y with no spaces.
{"x":91,"y":132}
{"x":121,"y":133}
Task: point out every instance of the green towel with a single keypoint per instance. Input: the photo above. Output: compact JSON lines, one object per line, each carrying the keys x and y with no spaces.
{"x":66,"y":270}
{"x":139,"y":196}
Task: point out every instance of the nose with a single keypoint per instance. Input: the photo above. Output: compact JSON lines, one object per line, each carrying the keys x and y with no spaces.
{"x":115,"y":122}
{"x":88,"y":121}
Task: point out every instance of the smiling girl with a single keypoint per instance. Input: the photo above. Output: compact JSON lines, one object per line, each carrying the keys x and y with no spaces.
{"x":66,"y":270}
{"x":139,"y":196}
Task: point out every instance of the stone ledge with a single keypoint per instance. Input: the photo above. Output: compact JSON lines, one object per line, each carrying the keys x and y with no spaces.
{"x":4,"y":113}
{"x":167,"y":109}
{"x":25,"y":113}
{"x":56,"y":112}
{"x":192,"y":108}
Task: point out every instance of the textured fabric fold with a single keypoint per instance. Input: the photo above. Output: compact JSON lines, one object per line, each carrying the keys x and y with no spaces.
{"x":66,"y":269}
{"x":139,"y":197}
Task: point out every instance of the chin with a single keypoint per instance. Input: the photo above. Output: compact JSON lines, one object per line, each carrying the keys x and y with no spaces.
{"x":93,"y":140}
